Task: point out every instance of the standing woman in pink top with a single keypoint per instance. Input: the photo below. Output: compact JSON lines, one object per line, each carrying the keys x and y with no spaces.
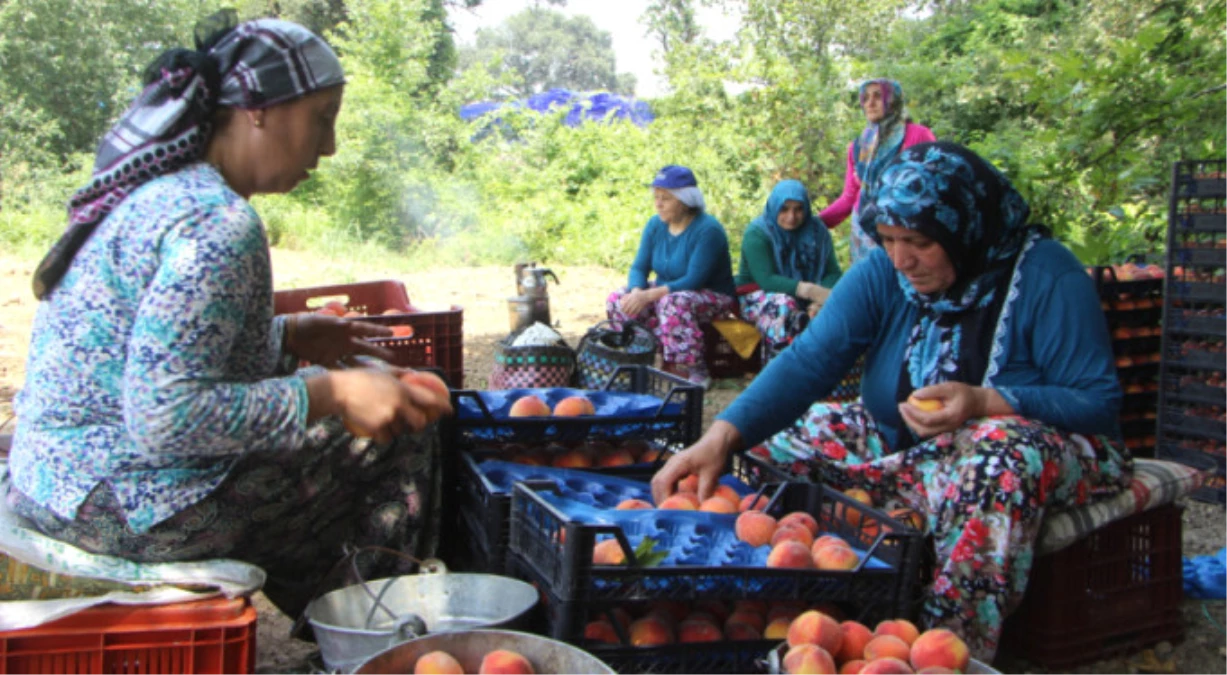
{"x":888,"y":132}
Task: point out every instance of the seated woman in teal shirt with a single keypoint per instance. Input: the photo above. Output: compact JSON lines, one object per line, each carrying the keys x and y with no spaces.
{"x":969,"y":309}
{"x":688,"y":251}
{"x":788,"y":264}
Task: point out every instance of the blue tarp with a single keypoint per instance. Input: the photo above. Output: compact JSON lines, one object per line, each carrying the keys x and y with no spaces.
{"x":581,"y":106}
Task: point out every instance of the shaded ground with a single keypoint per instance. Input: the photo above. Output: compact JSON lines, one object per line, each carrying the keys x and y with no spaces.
{"x":577,"y":302}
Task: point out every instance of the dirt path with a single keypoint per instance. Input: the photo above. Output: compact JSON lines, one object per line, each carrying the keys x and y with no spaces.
{"x":577,"y":302}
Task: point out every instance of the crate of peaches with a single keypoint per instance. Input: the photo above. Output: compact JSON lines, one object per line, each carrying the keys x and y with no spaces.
{"x":790,"y":541}
{"x":419,"y":337}
{"x":485,"y":481}
{"x":638,"y":402}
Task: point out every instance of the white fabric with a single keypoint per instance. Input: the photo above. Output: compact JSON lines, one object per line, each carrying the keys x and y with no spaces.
{"x":23,"y":543}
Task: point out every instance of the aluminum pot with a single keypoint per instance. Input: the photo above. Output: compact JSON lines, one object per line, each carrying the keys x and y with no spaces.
{"x":546,"y":655}
{"x":352,"y":624}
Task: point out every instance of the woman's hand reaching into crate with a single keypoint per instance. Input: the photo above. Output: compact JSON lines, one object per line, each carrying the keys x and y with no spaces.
{"x":376,"y":403}
{"x":706,"y":458}
{"x":327,"y":340}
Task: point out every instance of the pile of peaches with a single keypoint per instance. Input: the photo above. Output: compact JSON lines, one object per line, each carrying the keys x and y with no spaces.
{"x":817,"y":643}
{"x":531,"y":405}
{"x":665,"y":622}
{"x":504,"y":661}
{"x":584,"y":455}
{"x":795,"y":538}
{"x":338,"y":308}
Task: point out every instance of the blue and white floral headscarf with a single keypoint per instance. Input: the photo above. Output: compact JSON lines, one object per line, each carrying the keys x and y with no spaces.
{"x":953,"y":196}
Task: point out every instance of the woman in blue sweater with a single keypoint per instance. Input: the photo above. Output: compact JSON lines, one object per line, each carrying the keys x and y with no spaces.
{"x":968,"y":307}
{"x":688,"y":251}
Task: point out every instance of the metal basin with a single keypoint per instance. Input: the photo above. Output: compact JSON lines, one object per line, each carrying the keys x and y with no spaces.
{"x":352,"y":624}
{"x":546,"y":655}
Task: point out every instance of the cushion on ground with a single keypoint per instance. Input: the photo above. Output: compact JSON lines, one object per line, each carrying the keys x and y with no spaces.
{"x":1154,"y":483}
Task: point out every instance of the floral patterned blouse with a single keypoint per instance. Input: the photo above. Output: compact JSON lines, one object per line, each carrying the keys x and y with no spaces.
{"x":152,"y":364}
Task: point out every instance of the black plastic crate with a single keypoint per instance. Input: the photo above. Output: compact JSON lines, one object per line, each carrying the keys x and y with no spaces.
{"x":486,"y":508}
{"x":1193,"y":389}
{"x":1199,"y":178}
{"x":1214,"y":465}
{"x":1192,"y":323}
{"x":1114,"y":591}
{"x":566,"y":621}
{"x":677,"y":421}
{"x":1211,"y":223}
{"x":1175,"y":419}
{"x":559,"y":551}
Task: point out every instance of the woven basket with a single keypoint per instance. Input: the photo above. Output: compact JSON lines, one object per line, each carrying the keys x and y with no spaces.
{"x":603,"y":349}
{"x":532,"y":366}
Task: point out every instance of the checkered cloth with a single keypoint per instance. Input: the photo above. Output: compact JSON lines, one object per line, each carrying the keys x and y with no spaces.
{"x":1155,"y":483}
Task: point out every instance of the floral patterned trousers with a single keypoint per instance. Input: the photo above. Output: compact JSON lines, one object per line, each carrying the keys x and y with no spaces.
{"x":675,"y":320}
{"x":289,"y":513}
{"x":983,"y":490}
{"x":771,"y":314}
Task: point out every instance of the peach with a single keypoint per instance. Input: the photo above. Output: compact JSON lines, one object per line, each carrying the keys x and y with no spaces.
{"x":601,"y":631}
{"x":746,"y":617}
{"x":689,"y":484}
{"x":814,"y":627}
{"x":901,"y":628}
{"x":926,"y":404}
{"x":755,"y":528}
{"x":829,"y":540}
{"x":909,"y":517}
{"x":803,"y":519}
{"x":835,"y":558}
{"x":608,"y":552}
{"x":718,"y":505}
{"x":650,"y":455}
{"x":940,"y":647}
{"x":618,"y":457}
{"x":852,"y":667}
{"x":937,"y":670}
{"x":632,"y":505}
{"x":728,"y":493}
{"x":886,"y":666}
{"x":402,"y":331}
{"x":807,"y":658}
{"x":698,"y":630}
{"x":335,"y":308}
{"x":856,"y":636}
{"x":887,"y":646}
{"x":753,"y":503}
{"x":681,"y":501}
{"x":529,"y":406}
{"x":777,"y":628}
{"x":792,"y":532}
{"x":738,"y":630}
{"x":531,"y":458}
{"x":574,"y":406}
{"x":392,"y":310}
{"x":790,"y":554}
{"x":852,"y":516}
{"x":505,"y":662}
{"x":437,"y":663}
{"x":573,"y":459}
{"x":442,"y":396}
{"x":650,"y":631}
{"x":636,"y":448}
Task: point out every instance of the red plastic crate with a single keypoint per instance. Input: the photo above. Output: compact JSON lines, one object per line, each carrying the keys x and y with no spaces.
{"x":438,"y":336}
{"x":217,"y":635}
{"x":1112,"y":592}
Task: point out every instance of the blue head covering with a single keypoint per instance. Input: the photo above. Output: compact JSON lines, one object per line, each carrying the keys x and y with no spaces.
{"x":881,"y":141}
{"x":799,"y":254}
{"x":953,"y":196}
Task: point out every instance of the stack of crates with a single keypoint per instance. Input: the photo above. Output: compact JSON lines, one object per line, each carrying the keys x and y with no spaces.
{"x":482,"y":508}
{"x":1132,"y":299}
{"x":597,"y":606}
{"x":1192,"y":419}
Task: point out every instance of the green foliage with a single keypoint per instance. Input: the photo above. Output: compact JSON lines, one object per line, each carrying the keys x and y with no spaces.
{"x":548,"y":49}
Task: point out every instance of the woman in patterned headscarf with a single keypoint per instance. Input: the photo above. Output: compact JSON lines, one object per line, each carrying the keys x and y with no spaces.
{"x":887,"y":133}
{"x":989,"y":393}
{"x":788,"y":266}
{"x":161,"y":419}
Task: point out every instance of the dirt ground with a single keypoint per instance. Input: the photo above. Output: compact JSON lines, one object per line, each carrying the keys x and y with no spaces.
{"x":577,"y":302}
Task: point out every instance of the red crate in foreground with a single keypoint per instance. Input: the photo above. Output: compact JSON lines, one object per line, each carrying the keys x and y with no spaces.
{"x":1114,"y":591}
{"x":437,"y":338}
{"x":217,"y":635}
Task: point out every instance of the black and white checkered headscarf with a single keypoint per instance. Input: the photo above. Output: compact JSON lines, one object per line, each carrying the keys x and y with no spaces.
{"x":256,"y":64}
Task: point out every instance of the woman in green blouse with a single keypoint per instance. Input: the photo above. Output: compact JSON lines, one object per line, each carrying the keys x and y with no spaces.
{"x":788,"y":264}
